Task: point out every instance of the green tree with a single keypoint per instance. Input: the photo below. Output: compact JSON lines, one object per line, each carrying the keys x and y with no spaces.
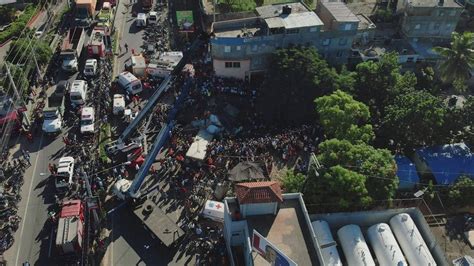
{"x":378,"y":83}
{"x":293,"y":182}
{"x":414,"y":119}
{"x":459,"y":60}
{"x":297,"y":76}
{"x":42,"y":51}
{"x":342,"y":117}
{"x":7,"y":14}
{"x":461,"y":194}
{"x":345,"y":80}
{"x":426,"y":80}
{"x":371,"y":172}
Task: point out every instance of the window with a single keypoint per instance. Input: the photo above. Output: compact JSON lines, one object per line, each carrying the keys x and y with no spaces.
{"x":228,"y":64}
{"x":448,"y":26}
{"x":292,"y":31}
{"x":227,"y":49}
{"x":436,"y":26}
{"x":313,"y":29}
{"x":441,"y":13}
{"x":340,"y":53}
{"x":417,"y":26}
{"x":342,"y":41}
{"x":238,"y":47}
{"x":236,"y":64}
{"x":326,"y":42}
{"x":410,"y":59}
{"x":348,"y":26}
{"x":452,"y":13}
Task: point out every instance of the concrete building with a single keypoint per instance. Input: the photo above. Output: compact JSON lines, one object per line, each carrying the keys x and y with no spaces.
{"x":430,"y":19}
{"x":281,"y":219}
{"x":241,"y":48}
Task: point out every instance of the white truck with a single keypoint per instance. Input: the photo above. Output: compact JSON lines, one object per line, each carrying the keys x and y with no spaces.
{"x":129,"y":83}
{"x":90,"y":68}
{"x":78,"y":92}
{"x":63,"y":178}
{"x":118,"y":104}
{"x":54,"y":111}
{"x":87,"y":120}
{"x":71,"y":49}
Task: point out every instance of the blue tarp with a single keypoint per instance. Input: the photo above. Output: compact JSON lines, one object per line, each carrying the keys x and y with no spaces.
{"x":406,"y":172}
{"x":448,"y":162}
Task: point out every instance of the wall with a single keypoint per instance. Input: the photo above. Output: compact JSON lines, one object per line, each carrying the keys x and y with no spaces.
{"x":258,"y":209}
{"x":233,"y":72}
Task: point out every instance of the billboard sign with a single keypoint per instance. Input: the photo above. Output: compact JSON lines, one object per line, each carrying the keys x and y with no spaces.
{"x":268,"y":251}
{"x":185,"y":20}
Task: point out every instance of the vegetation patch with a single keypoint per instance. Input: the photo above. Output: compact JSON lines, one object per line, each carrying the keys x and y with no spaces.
{"x":19,"y":24}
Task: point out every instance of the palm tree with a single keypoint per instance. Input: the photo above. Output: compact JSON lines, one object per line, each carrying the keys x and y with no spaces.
{"x":459,"y":59}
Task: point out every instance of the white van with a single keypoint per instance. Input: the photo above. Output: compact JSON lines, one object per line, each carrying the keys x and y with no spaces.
{"x":130,"y":83}
{"x":152,"y":18}
{"x":118,"y":104}
{"x":78,"y":92}
{"x":63,"y":178}
{"x":213,"y":210}
{"x":140,"y":21}
{"x":87,"y":120}
{"x":90,"y":68}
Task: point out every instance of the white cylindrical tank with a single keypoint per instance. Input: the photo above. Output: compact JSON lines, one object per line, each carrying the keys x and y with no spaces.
{"x":353,"y":245}
{"x":385,"y":245}
{"x":326,"y":243}
{"x":411,"y":241}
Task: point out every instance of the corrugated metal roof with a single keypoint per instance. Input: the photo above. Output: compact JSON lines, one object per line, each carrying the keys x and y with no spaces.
{"x":293,"y":21}
{"x":340,"y":12}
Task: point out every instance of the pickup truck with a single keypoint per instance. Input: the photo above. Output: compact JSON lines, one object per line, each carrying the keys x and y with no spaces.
{"x":54,"y":110}
{"x":106,"y":16}
{"x":71,"y":49}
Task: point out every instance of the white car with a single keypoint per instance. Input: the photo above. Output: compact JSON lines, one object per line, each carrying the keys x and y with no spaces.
{"x":87,"y":120}
{"x":152,"y":18}
{"x":63,"y":177}
{"x":140,"y":21}
{"x":90,"y":68}
{"x":118,"y":104}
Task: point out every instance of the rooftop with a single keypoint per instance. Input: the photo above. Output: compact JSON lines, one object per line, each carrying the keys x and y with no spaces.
{"x":340,"y":12}
{"x":258,"y":192}
{"x":433,"y":3}
{"x":287,"y":230}
{"x":247,"y":27}
{"x":365,"y":22}
{"x":293,"y":21}
{"x":271,"y":11}
{"x":377,"y":49}
{"x":71,"y":208}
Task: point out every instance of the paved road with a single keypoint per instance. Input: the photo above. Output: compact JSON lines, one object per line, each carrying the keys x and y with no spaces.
{"x":32,"y":240}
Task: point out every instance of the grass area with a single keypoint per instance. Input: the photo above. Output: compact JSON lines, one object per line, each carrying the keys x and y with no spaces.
{"x":104,"y":136}
{"x":19,"y":24}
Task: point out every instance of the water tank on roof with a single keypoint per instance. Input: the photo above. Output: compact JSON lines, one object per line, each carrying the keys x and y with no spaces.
{"x":326,"y":243}
{"x":385,"y":245}
{"x":411,"y":241}
{"x":353,"y":245}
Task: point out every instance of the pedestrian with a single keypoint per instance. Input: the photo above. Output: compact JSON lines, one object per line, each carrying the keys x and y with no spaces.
{"x":51,"y":169}
{"x":126,"y":48}
{"x":120,"y":49}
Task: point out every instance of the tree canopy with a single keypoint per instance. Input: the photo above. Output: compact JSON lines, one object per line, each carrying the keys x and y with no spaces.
{"x":297,"y":76}
{"x":459,"y":60}
{"x":370,"y":172}
{"x":342,"y":117}
{"x":293,"y":182}
{"x":462,"y":192}
{"x":42,"y":51}
{"x":414,"y":119}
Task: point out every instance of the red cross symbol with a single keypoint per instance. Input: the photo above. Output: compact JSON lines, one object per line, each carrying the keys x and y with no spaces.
{"x":218,"y":206}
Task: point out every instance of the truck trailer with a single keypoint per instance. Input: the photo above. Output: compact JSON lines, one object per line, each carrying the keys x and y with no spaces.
{"x":71,"y":49}
{"x":70,"y":232}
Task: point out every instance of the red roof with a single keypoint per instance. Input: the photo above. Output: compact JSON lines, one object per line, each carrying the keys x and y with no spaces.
{"x":258,"y":192}
{"x":71,"y":208}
